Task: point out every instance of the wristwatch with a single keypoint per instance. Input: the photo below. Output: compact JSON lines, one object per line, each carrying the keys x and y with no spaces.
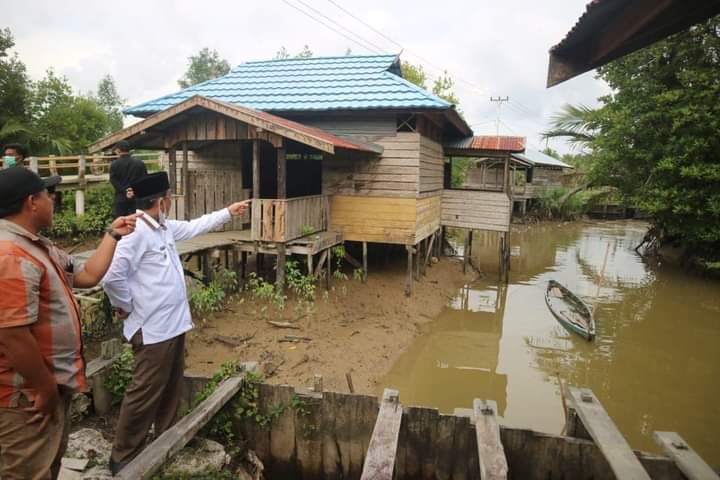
{"x":113,"y":234}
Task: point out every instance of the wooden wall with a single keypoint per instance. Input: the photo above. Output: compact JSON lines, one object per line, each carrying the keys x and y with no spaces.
{"x":215,"y":181}
{"x":395,"y":174}
{"x":431,"y":165}
{"x":476,"y":209}
{"x":330,"y":438}
{"x":374,"y":219}
{"x":427,"y":216}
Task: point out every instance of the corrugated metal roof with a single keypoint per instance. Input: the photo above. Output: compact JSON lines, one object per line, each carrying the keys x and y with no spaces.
{"x":538,"y":158}
{"x":489,"y":143}
{"x":351,"y":82}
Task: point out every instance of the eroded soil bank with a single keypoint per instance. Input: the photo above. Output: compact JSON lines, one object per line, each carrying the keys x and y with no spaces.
{"x":355,"y":327}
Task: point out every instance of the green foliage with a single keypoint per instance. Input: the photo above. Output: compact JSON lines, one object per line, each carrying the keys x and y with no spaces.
{"x":243,"y":407}
{"x":577,"y":124}
{"x":207,"y":299}
{"x":358,"y":274}
{"x":283,"y":54}
{"x":551,"y":204}
{"x":98,"y":215}
{"x":265,"y":291}
{"x":458,"y":171}
{"x":307,"y":230}
{"x":338,"y":253}
{"x":654,"y":137}
{"x":204,"y":66}
{"x":443,"y":87}
{"x":302,"y":285}
{"x":211,"y":298}
{"x":120,"y":374}
{"x":46,"y":115}
{"x":414,"y":74}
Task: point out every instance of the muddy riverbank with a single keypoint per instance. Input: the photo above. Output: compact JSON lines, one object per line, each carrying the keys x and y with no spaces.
{"x":357,"y":328}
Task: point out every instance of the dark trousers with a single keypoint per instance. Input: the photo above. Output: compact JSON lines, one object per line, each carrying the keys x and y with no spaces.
{"x":153,"y":395}
{"x":28,"y":452}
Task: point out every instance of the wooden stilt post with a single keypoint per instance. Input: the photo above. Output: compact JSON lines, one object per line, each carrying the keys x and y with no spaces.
{"x":186,"y":181}
{"x":409,"y":274}
{"x":280,"y":274}
{"x":310,"y":264}
{"x":80,"y":192}
{"x":431,"y":248}
{"x":328,"y":269}
{"x":501,"y":264}
{"x":470,"y":246}
{"x":418,"y":247}
{"x":281,"y":173}
{"x":243,"y":265}
{"x":466,"y":252}
{"x":365,"y":262}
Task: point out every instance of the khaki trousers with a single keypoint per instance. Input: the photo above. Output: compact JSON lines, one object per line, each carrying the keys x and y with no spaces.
{"x":28,"y":452}
{"x":153,"y":395}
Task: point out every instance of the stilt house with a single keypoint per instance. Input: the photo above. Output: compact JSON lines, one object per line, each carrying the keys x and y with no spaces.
{"x":330,"y":149}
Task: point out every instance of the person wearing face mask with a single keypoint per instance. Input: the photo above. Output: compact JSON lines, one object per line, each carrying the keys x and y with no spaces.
{"x":146,"y":286}
{"x":14,"y":154}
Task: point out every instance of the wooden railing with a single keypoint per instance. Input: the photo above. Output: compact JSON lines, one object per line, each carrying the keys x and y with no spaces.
{"x":76,"y":168}
{"x":78,"y":172}
{"x":276,"y":220}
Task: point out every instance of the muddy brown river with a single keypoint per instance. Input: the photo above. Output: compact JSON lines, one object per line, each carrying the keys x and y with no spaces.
{"x":655,"y":364}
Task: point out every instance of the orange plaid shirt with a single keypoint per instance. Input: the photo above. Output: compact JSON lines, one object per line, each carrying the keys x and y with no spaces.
{"x":36,"y":291}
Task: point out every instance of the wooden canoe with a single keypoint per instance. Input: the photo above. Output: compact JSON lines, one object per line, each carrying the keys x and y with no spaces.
{"x":572,"y":313}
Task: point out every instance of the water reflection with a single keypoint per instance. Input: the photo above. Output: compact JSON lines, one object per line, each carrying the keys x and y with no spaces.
{"x":655,"y":363}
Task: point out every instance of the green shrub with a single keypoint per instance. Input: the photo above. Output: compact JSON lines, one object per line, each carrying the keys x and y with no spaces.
{"x":98,"y":215}
{"x":120,"y":374}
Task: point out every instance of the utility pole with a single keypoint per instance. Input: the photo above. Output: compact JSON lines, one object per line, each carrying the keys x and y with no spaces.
{"x":500,"y":101}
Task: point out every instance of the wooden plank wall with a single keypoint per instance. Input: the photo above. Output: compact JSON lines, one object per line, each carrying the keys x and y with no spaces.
{"x":394,"y":174}
{"x":331,"y":438}
{"x":476,"y":210}
{"x":374,"y":219}
{"x":211,"y":190}
{"x":427,"y":217}
{"x":431,"y":165}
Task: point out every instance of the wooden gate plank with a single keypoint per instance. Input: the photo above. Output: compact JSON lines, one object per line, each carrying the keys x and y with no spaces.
{"x":380,"y":459}
{"x":686,"y":459}
{"x":606,"y":435}
{"x":493,"y":464}
{"x":174,"y":439}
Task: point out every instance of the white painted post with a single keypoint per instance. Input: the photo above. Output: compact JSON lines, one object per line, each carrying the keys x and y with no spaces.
{"x":34,"y":164}
{"x":80,"y":192}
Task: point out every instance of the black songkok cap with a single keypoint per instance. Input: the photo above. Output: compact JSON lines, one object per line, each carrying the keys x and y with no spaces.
{"x":151,"y":186}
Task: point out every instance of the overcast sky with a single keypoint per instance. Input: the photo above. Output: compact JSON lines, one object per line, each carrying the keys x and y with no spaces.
{"x":491,"y":48}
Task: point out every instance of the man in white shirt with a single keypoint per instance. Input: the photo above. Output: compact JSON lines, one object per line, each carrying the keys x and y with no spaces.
{"x":145,"y":283}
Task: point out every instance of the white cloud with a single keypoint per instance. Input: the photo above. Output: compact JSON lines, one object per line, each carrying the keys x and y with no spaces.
{"x":489,"y":47}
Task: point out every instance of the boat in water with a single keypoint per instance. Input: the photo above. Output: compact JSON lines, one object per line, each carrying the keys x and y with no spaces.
{"x":572,"y":313}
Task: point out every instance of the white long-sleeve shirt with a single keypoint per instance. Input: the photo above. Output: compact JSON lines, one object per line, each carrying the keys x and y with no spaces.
{"x":146,"y":277}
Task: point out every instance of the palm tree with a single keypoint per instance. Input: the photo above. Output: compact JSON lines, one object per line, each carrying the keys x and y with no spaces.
{"x":576,"y":124}
{"x":37,"y":140}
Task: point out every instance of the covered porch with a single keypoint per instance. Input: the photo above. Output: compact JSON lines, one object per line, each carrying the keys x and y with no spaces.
{"x":486,"y":205}
{"x":218,"y":153}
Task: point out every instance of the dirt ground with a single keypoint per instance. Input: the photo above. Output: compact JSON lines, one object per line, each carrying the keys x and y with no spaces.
{"x":357,"y":328}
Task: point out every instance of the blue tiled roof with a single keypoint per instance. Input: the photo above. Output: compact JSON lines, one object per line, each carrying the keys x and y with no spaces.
{"x":351,"y":82}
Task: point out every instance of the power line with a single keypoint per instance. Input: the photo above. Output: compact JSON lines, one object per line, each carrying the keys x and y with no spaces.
{"x":428,"y":62}
{"x":329,"y":26}
{"x":379,"y":49}
{"x":500,"y":102}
